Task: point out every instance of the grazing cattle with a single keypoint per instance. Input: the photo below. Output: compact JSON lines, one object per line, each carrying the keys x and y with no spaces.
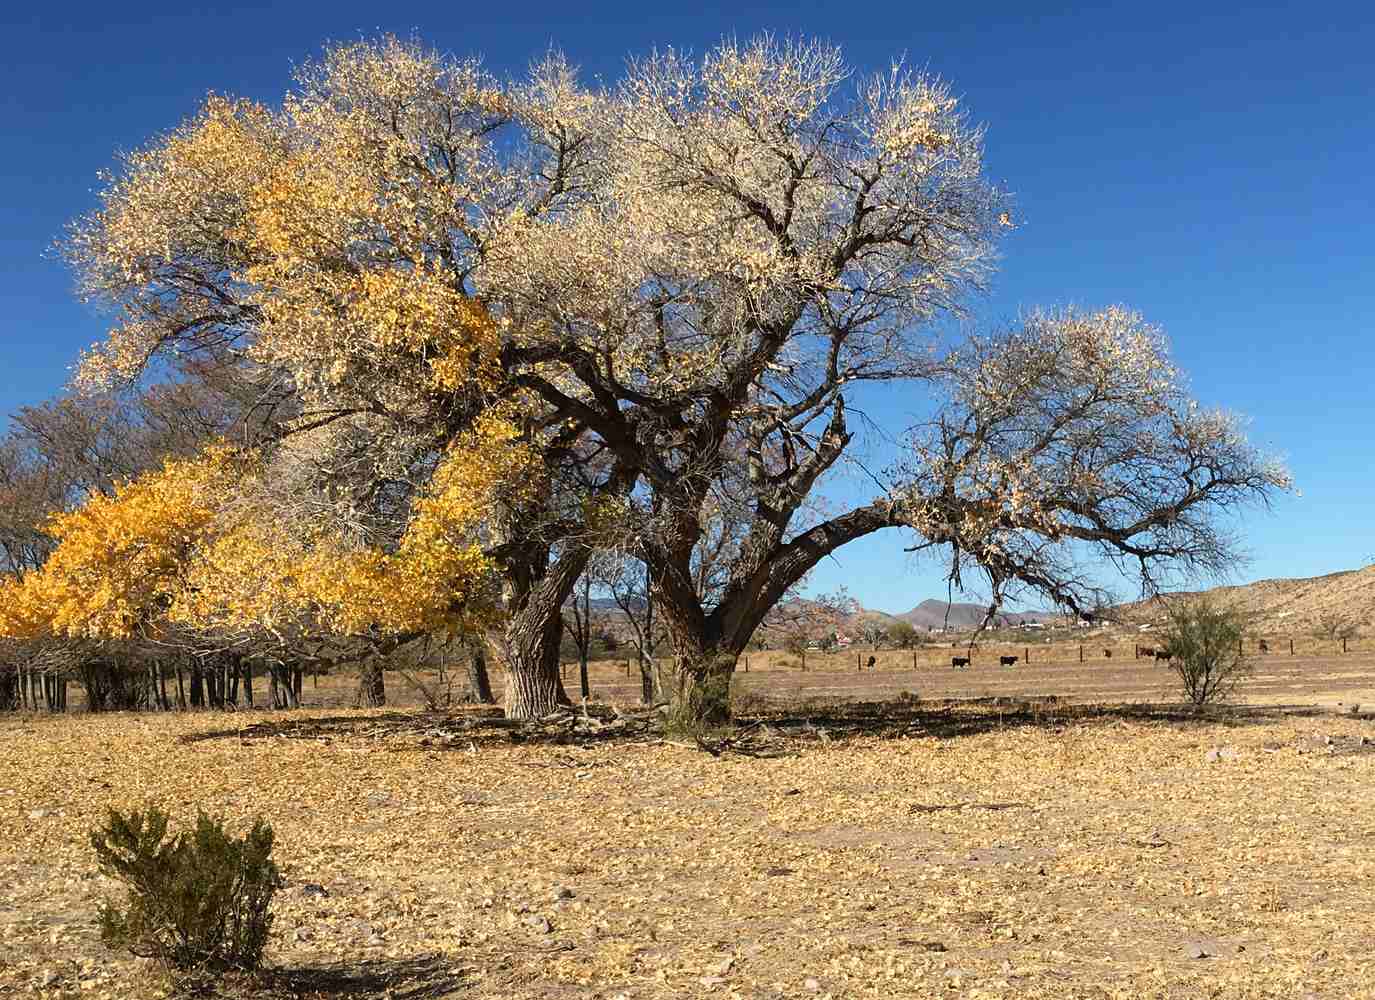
{"x":1264,"y":646}
{"x":871,"y":663}
{"x":1145,"y":651}
{"x":1008,"y":661}
{"x":1164,"y":654}
{"x":959,"y":661}
{"x":1107,"y":654}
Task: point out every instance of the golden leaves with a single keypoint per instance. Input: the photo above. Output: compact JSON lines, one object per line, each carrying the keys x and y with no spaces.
{"x":119,"y":558}
{"x":189,"y":545}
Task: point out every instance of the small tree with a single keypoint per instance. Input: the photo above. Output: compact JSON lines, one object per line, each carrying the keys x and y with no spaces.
{"x":1335,"y":625}
{"x":1204,"y":639}
{"x":903,"y":634}
{"x":197,"y":901}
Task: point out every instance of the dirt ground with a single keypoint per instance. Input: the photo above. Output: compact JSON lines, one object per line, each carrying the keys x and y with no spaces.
{"x":953,"y":850}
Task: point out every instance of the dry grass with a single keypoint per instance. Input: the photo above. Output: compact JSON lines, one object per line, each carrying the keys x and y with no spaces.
{"x":1089,"y":857}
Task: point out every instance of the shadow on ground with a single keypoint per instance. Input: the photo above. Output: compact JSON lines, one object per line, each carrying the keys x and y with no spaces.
{"x":424,"y":977}
{"x":794,"y":725}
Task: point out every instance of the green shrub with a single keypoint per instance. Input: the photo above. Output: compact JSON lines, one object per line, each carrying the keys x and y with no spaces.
{"x":1204,"y":641}
{"x":198,"y":900}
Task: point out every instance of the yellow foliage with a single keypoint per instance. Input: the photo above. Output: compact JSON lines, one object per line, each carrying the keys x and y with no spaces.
{"x":119,"y":559}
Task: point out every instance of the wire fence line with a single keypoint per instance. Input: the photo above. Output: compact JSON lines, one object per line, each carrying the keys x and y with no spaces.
{"x":936,"y":655}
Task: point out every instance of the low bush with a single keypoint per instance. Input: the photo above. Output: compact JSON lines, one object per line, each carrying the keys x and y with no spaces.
{"x":1204,"y":641}
{"x":196,"y":901}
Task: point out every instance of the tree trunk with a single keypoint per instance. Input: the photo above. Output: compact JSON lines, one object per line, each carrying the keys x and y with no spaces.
{"x":479,"y":684}
{"x":646,"y":679}
{"x":372,"y":690}
{"x":696,"y":685}
{"x":534,"y":630}
{"x":246,"y":667}
{"x":583,"y":685}
{"x":696,"y":682}
{"x":533,"y":686}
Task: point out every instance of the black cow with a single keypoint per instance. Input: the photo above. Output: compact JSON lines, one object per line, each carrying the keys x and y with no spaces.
{"x":959,"y":661}
{"x":1145,"y":651}
{"x":1008,"y":661}
{"x":1164,"y":654}
{"x":1264,"y":646}
{"x":871,"y":663}
{"x":1107,"y":654}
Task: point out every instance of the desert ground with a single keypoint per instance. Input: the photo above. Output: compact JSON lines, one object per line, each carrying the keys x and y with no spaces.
{"x":918,"y":833}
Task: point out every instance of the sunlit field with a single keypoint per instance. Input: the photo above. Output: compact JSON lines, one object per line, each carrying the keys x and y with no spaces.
{"x":924,"y":847}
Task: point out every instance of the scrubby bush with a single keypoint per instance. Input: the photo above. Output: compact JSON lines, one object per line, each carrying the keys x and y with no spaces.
{"x":1204,"y":640}
{"x":196,"y":901}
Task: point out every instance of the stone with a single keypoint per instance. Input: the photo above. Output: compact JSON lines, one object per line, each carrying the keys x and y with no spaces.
{"x":811,"y":984}
{"x":1220,"y":753}
{"x":563,"y":892}
{"x":314,"y":889}
{"x":539,"y":924}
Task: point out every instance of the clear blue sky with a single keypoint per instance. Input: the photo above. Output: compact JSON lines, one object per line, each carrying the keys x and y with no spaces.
{"x":1208,"y":164}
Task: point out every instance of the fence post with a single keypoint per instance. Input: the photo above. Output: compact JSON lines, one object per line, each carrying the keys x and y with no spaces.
{"x":858,"y":668}
{"x":627,"y":666}
{"x":747,"y":663}
{"x":1291,"y":645}
{"x":804,"y":661}
{"x":914,"y":659}
{"x":1343,"y":644}
{"x":1081,"y":652}
{"x":1026,"y":655}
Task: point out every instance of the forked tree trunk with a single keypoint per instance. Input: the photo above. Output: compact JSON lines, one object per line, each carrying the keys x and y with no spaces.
{"x":696,"y":682}
{"x":696,"y":685}
{"x":372,"y":690}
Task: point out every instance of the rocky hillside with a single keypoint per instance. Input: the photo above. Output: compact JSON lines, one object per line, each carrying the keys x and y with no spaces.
{"x":1296,"y":606}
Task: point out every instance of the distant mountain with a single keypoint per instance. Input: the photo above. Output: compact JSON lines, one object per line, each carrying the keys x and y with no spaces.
{"x":940,"y":614}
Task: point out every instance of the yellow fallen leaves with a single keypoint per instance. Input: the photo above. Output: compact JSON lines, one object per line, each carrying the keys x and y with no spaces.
{"x":666,"y":853}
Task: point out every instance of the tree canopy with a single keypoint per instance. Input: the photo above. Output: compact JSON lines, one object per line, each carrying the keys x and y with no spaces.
{"x":497,"y":326}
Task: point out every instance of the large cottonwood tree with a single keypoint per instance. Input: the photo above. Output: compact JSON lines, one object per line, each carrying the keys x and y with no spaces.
{"x":670,"y":290}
